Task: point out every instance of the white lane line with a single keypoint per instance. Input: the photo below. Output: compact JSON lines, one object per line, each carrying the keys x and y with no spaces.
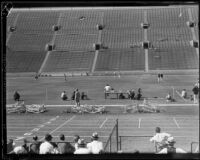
{"x":103,"y":123}
{"x":176,"y":122}
{"x":139,"y":123}
{"x":60,"y":126}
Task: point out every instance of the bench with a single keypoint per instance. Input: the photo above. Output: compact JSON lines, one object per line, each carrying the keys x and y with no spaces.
{"x":115,"y":93}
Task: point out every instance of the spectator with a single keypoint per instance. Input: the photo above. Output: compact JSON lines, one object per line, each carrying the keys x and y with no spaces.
{"x":73,"y":95}
{"x":131,"y":94}
{"x":35,"y":145}
{"x":63,"y":96}
{"x":46,"y":147}
{"x":95,"y":146}
{"x":25,"y":145}
{"x":161,"y":76}
{"x":76,"y":138}
{"x":19,"y":150}
{"x":158,"y":77}
{"x":195,"y":93}
{"x":82,"y":148}
{"x":10,"y":146}
{"x":84,"y":96}
{"x":16,"y":96}
{"x":77,"y":97}
{"x":169,"y":97}
{"x":107,"y":88}
{"x":65,"y":147}
{"x":170,"y":147}
{"x":160,"y":138}
{"x":184,"y":93}
{"x":121,"y":96}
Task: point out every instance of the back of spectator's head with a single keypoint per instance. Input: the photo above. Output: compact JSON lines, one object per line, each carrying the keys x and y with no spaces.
{"x":76,"y":89}
{"x":95,"y":136}
{"x":81,"y":143}
{"x":25,"y":141}
{"x":62,"y":137}
{"x":48,"y":137}
{"x":35,"y":138}
{"x":19,"y":150}
{"x":158,"y":129}
{"x":76,"y":138}
{"x":10,"y":141}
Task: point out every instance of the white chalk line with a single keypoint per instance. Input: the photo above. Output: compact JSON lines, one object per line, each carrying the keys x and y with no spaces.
{"x":176,"y":122}
{"x":103,"y":123}
{"x":139,"y":122}
{"x":60,"y":126}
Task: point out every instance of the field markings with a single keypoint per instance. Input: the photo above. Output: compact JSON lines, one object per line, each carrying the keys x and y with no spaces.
{"x":139,"y":122}
{"x":103,"y":123}
{"x":176,"y":122}
{"x":60,"y":126}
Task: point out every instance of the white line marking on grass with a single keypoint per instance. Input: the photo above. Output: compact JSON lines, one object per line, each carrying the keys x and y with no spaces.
{"x":176,"y":122}
{"x":103,"y":123}
{"x":139,"y":122}
{"x":60,"y":126}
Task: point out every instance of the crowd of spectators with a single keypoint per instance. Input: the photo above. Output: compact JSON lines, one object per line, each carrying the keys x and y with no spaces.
{"x":62,"y":147}
{"x":164,"y":142}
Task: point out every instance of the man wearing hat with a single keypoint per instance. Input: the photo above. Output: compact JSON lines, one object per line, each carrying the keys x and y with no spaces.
{"x":65,"y":147}
{"x":46,"y":147}
{"x":95,"y":146}
{"x":170,"y":147}
{"x":35,"y":145}
{"x":82,"y":148}
{"x":160,"y":138}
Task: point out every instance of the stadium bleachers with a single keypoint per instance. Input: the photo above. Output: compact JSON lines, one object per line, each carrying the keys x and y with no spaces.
{"x":122,"y":28}
{"x":117,"y":60}
{"x":27,"y":61}
{"x":179,"y":57}
{"x":33,"y":31}
{"x":78,"y":31}
{"x":168,"y":33}
{"x":69,"y":61}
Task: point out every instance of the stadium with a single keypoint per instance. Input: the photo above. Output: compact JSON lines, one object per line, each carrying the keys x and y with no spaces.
{"x":51,"y":50}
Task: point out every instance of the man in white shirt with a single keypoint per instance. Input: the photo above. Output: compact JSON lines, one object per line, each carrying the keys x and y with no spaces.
{"x":160,"y":138}
{"x":184,"y":93}
{"x":95,"y":146}
{"x":82,"y":148}
{"x":46,"y":147}
{"x":63,"y":96}
{"x":170,"y":148}
{"x":107,"y":88}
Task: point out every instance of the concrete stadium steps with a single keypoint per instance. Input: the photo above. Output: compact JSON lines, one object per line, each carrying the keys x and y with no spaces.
{"x":11,"y":18}
{"x":28,"y":61}
{"x":69,"y":61}
{"x":37,"y":22}
{"x":28,"y":42}
{"x":76,"y":34}
{"x":33,"y":31}
{"x":75,"y":41}
{"x":173,"y":58}
{"x":122,"y":28}
{"x":195,"y":16}
{"x":119,"y":60}
{"x":168,"y":25}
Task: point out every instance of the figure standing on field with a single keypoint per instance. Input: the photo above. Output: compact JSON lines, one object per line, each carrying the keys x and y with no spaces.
{"x":77,"y":97}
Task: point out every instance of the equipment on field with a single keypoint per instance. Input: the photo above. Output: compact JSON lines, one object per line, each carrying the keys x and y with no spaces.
{"x":87,"y":109}
{"x":22,"y":108}
{"x":145,"y":107}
